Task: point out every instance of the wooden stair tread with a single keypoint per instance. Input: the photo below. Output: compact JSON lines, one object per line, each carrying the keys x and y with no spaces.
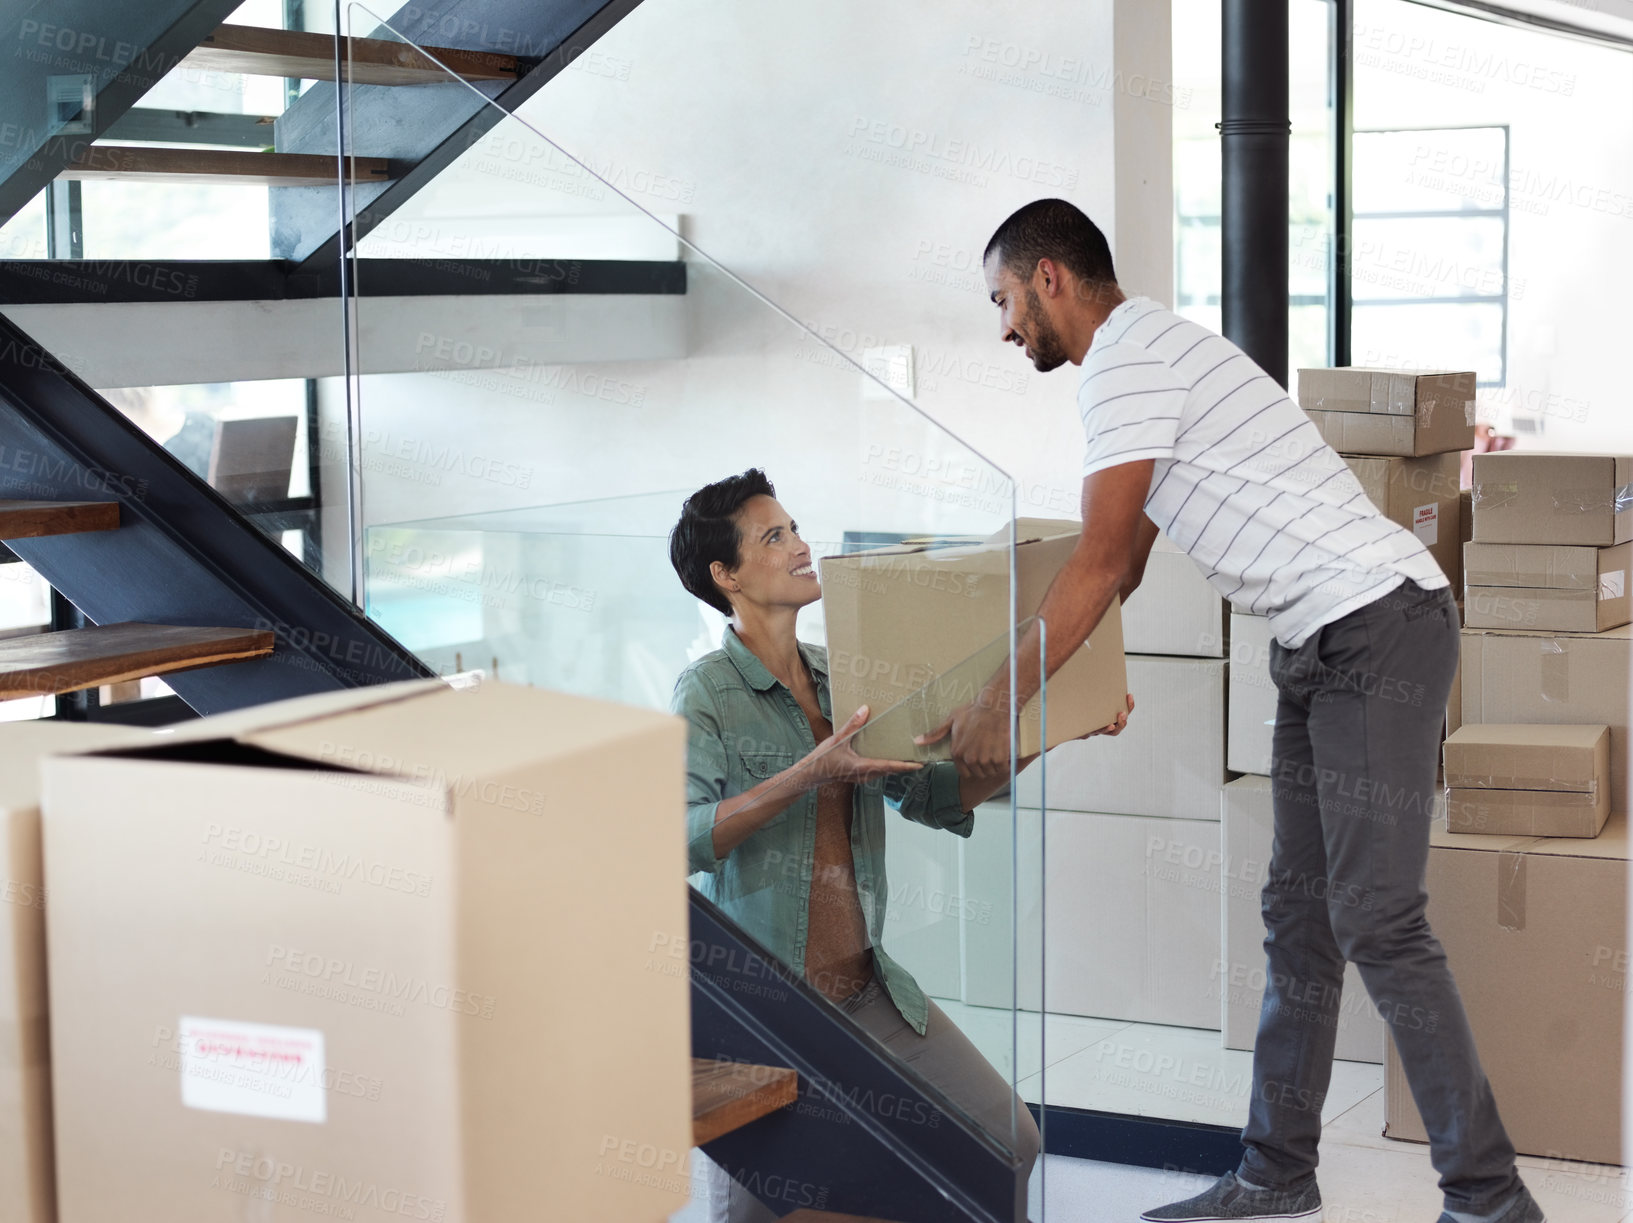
{"x":140,"y":163}
{"x":728,"y":1095}
{"x":260,"y":51}
{"x":106,"y":654}
{"x":32,"y":519}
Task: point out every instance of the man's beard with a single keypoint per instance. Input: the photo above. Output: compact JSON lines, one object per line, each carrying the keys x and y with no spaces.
{"x":1047,"y":350}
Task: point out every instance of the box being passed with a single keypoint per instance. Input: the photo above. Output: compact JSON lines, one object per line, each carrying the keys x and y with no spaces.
{"x":1528,"y":780}
{"x":319,"y":953}
{"x":915,"y":632}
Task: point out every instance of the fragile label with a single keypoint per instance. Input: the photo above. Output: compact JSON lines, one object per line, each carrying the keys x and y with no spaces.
{"x":254,"y":1069}
{"x":1612,"y":584}
{"x":1426,"y":523}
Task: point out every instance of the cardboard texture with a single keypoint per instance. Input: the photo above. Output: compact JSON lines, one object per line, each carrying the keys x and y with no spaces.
{"x":1552,"y":679}
{"x":1154,"y":881}
{"x":1175,"y":611}
{"x":1246,"y":824}
{"x":1253,"y":697}
{"x":1555,"y":587}
{"x":1527,"y":780}
{"x":1177,"y":701}
{"x":1534,"y":497}
{"x":914,"y":632}
{"x":27,"y":1188}
{"x":1454,"y":698}
{"x":1390,"y":412}
{"x":1422,"y":496}
{"x":1536,"y":935}
{"x":317,"y":954}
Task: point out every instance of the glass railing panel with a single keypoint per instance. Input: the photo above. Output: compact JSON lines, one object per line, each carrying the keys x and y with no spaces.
{"x":527,"y":440}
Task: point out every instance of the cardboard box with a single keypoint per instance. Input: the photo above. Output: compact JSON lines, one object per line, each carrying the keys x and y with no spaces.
{"x":1246,"y":824}
{"x":1253,"y":695}
{"x":914,"y":632}
{"x":1390,"y":412}
{"x":327,"y":946}
{"x":1528,"y":780}
{"x":1556,"y":587}
{"x":1422,"y":496}
{"x":1154,"y":882}
{"x":1536,"y":934}
{"x":27,"y":1183}
{"x":1558,"y":680}
{"x":1533,"y":497}
{"x":1175,"y":610}
{"x":1169,"y":762}
{"x":1454,"y":698}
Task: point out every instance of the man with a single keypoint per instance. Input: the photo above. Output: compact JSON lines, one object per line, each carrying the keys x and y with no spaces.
{"x":1187,"y":435}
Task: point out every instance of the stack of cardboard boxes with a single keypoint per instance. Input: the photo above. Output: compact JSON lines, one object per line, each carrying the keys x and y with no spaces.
{"x":1527,"y":878}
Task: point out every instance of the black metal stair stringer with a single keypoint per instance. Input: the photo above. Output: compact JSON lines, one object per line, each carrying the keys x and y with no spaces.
{"x":867,"y":1136}
{"x":182,"y":555}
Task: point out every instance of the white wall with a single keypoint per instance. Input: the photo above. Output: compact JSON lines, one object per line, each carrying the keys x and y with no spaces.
{"x":782,"y":135}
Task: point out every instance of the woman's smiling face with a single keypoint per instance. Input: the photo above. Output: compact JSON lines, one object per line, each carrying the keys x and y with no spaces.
{"x":775,"y":565}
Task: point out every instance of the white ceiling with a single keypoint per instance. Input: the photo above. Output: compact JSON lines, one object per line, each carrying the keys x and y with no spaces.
{"x":1612,"y":17}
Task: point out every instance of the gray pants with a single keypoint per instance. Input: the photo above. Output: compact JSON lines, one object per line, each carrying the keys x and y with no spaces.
{"x":1353,"y":779}
{"x":944,"y":1057}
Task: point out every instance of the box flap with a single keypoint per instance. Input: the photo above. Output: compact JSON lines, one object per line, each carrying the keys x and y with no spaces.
{"x":241,"y":722}
{"x":447,"y":734}
{"x":24,"y":744}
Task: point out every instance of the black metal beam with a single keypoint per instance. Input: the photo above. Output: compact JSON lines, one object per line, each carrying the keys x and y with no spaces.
{"x":427,"y":128}
{"x":148,"y":125}
{"x":119,"y":49}
{"x":1341,"y":307}
{"x":867,"y":1135}
{"x":38,"y":282}
{"x":1254,"y":129}
{"x":182,"y":553}
{"x":1142,"y":1142}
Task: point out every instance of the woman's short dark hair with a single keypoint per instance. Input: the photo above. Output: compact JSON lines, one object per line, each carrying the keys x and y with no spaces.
{"x":1052,"y":229}
{"x":707,"y":532}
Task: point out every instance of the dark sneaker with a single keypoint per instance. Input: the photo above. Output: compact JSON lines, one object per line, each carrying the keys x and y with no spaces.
{"x":1523,"y":1209}
{"x":1230,"y":1200}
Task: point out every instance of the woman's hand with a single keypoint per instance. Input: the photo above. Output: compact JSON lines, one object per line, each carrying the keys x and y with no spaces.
{"x":835,"y":760}
{"x":1114,"y":728}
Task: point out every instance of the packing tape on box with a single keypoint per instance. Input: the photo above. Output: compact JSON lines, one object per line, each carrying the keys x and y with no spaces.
{"x":1493,"y":495}
{"x":1538,"y":785}
{"x":1511,"y":890}
{"x":1592,"y":501}
{"x":1555,"y":670}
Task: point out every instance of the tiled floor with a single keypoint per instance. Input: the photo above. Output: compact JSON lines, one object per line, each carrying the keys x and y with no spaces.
{"x":1182,"y":1072}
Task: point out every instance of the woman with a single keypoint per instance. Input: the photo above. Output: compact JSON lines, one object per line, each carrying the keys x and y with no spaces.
{"x":785,"y":822}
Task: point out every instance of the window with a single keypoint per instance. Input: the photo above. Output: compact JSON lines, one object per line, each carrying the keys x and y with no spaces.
{"x":1431,"y":248}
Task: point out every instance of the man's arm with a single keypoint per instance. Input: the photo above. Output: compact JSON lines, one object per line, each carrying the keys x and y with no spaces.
{"x":1097,"y":570}
{"x":1145,"y":536}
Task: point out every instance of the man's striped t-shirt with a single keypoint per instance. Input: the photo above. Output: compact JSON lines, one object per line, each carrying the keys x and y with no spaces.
{"x":1243,"y":482}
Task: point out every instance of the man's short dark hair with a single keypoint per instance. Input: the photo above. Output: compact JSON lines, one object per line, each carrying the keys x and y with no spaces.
{"x":707,"y":532}
{"x":1052,"y":229}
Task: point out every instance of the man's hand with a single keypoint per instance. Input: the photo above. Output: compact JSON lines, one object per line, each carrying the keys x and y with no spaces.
{"x":836,"y":760}
{"x":1114,"y":728}
{"x":980,"y":740}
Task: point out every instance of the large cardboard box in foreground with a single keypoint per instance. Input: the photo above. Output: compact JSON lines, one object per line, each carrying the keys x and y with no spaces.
{"x":1422,"y":496}
{"x":1247,"y":824}
{"x":1170,"y":761}
{"x":1525,"y":780}
{"x":27,"y":1183}
{"x":1132,"y":915}
{"x":1536,"y":934}
{"x":1395,"y":412}
{"x":1533,"y":497}
{"x":1175,"y":610}
{"x":914,"y":632}
{"x":360,"y":950}
{"x":1549,"y":678}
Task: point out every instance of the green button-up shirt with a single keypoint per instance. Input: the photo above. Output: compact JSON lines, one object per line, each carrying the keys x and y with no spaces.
{"x":746,"y":726}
